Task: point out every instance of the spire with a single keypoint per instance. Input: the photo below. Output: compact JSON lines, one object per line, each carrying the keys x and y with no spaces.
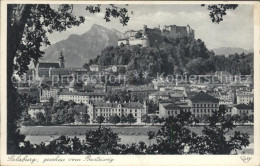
{"x":62,"y":60}
{"x":61,"y":56}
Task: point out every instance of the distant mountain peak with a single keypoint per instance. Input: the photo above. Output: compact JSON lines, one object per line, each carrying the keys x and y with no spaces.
{"x":78,"y":49}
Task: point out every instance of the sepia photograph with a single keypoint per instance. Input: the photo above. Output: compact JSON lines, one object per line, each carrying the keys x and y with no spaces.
{"x":151,"y":78}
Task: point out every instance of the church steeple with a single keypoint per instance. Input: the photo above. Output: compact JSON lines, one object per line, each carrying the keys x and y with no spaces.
{"x":62,"y":60}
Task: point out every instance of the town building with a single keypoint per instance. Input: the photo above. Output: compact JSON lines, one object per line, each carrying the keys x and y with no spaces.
{"x":49,"y":71}
{"x":173,"y":108}
{"x":244,"y":97}
{"x":243,"y":109}
{"x":95,"y":68}
{"x":141,"y":93}
{"x":82,"y":97}
{"x":204,"y":104}
{"x":34,"y":109}
{"x":107,"y":109}
{"x":30,"y":91}
{"x":47,"y":93}
{"x":160,"y":95}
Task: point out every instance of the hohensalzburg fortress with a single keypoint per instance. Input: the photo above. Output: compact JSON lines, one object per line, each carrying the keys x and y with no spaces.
{"x":148,"y":37}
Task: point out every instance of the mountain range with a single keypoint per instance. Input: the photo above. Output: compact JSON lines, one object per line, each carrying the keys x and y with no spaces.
{"x":230,"y":50}
{"x":78,"y":49}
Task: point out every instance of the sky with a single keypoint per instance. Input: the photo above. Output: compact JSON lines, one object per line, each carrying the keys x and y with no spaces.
{"x":235,"y":31}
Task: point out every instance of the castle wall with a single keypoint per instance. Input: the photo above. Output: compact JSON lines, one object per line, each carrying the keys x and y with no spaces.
{"x":142,"y":41}
{"x":154,"y":37}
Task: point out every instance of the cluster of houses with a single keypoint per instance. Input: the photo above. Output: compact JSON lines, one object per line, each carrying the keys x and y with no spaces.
{"x":171,"y":102}
{"x":171,"y":98}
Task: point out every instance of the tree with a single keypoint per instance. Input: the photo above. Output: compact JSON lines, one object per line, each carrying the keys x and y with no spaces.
{"x":114,"y":119}
{"x":155,"y":119}
{"x":51,"y":100}
{"x":138,"y":34}
{"x":54,"y":119}
{"x":214,"y":139}
{"x":205,"y":119}
{"x":69,"y":118}
{"x":100,"y":119}
{"x":27,"y":26}
{"x":123,"y":119}
{"x":151,"y":135}
{"x":85,"y":118}
{"x":174,"y":135}
{"x":251,"y":118}
{"x":86,"y":66}
{"x":218,"y":11}
{"x":130,"y":119}
{"x":146,"y":119}
{"x":102,"y":141}
{"x":39,"y":118}
{"x":26,"y":119}
{"x":243,"y":117}
{"x":119,"y":96}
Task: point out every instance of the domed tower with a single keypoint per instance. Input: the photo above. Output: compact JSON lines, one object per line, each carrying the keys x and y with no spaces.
{"x":62,"y":60}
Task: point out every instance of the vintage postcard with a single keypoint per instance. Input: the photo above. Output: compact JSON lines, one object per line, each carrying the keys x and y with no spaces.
{"x":130,"y":83}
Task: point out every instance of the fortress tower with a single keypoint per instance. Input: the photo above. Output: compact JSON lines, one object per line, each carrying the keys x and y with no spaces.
{"x":144,"y":29}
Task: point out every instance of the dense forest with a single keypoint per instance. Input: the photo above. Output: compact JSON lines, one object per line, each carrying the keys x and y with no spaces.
{"x":175,"y":56}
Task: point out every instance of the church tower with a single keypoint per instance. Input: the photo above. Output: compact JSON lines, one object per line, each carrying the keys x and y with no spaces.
{"x":62,"y":60}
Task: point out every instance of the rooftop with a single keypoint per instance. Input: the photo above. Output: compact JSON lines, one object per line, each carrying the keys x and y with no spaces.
{"x":171,"y":106}
{"x":83,"y":93}
{"x":48,"y":65}
{"x":243,"y":106}
{"x":159,"y":93}
{"x":125,"y":105}
{"x":202,"y":96}
{"x":37,"y":106}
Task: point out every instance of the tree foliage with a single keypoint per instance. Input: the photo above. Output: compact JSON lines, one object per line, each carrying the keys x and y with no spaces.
{"x":218,"y":11}
{"x":130,"y":118}
{"x":215,"y":140}
{"x":114,"y":119}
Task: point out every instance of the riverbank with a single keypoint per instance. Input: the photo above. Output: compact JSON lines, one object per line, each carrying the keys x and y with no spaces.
{"x":128,"y":134}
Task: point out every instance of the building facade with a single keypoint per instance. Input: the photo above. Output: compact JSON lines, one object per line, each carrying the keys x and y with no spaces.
{"x":107,"y":109}
{"x":245,"y":97}
{"x":204,"y":104}
{"x":82,"y":97}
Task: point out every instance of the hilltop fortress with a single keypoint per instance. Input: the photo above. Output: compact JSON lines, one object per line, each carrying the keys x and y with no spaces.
{"x":148,"y":37}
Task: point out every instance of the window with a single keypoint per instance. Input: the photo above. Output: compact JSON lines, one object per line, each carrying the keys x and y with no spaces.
{"x":135,"y":114}
{"x":168,"y":112}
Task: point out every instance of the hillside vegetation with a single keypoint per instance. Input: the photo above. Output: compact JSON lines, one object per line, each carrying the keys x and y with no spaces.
{"x":174,"y":56}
